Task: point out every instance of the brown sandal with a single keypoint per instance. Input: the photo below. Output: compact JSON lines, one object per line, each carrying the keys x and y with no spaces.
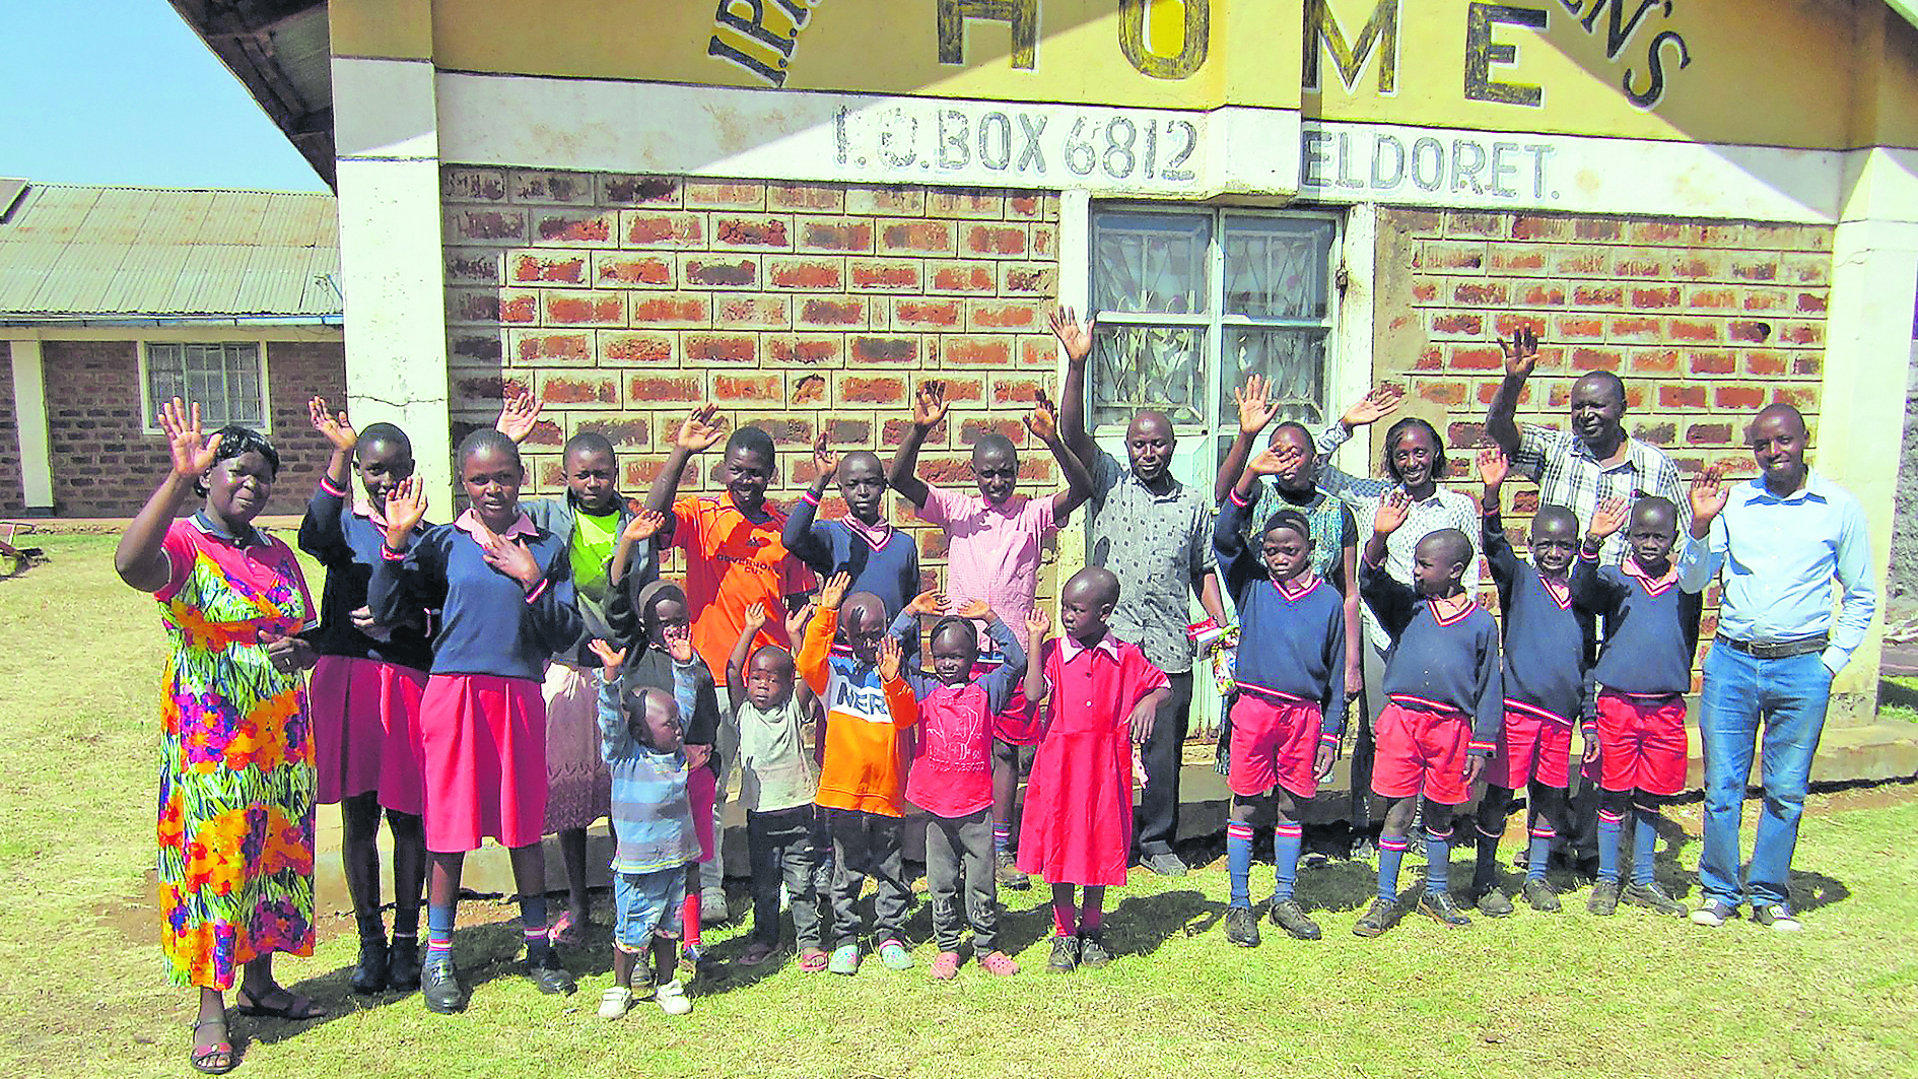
{"x":214,"y":1059}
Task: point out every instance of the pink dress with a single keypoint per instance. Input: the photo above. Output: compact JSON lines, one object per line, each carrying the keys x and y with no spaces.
{"x":1077,"y":827}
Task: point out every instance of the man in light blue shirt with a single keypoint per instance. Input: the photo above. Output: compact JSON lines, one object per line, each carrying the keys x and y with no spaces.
{"x":1779,"y":541}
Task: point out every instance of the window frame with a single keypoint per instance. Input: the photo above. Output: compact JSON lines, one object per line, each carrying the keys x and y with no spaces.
{"x":149,"y":408}
{"x":1216,"y":322}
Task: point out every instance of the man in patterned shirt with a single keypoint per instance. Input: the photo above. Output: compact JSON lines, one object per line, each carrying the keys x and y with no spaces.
{"x":1155,"y":534}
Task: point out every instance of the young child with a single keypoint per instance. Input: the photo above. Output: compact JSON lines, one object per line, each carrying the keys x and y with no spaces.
{"x":505,"y":592}
{"x":1101,"y":695}
{"x":1547,"y":644}
{"x":995,"y":541}
{"x":365,"y":696}
{"x":778,"y":782}
{"x":1290,"y":704}
{"x":1444,"y":702}
{"x":951,"y":776}
{"x":882,"y":559}
{"x":1643,"y":673}
{"x":653,"y":836}
{"x":734,"y":559}
{"x":860,"y":780}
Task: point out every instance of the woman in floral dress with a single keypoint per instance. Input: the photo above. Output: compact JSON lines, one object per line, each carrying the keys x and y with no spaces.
{"x":236,"y":774}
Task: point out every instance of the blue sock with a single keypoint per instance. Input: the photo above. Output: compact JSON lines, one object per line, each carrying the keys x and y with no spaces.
{"x":532,"y":919}
{"x":1539,"y":854}
{"x":1001,"y":838}
{"x":1391,"y":853}
{"x":439,"y":932}
{"x":1438,"y":860}
{"x":1644,"y":844}
{"x":1238,"y":859}
{"x":1286,"y":840}
{"x":1609,"y":825}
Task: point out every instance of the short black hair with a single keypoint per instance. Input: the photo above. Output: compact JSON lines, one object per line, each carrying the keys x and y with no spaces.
{"x":236,"y":440}
{"x":993,"y":440}
{"x":1656,"y":504}
{"x":1287,"y":517}
{"x":1304,"y":431}
{"x":1440,"y":464}
{"x":588,"y":442}
{"x":752,"y":440}
{"x":1610,"y":379}
{"x":953,"y":621}
{"x":1552,"y":511}
{"x":387,"y":433}
{"x":487,"y":438}
{"x":1456,"y":544}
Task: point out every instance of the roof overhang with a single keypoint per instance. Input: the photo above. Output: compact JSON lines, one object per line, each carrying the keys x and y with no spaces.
{"x":280,"y":50}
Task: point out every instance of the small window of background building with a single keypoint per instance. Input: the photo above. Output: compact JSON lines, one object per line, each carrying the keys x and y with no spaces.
{"x":227,"y":380}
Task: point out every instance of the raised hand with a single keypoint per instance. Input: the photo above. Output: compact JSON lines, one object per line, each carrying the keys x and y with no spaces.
{"x":679,"y":643}
{"x":754,"y":617}
{"x":824,"y":460}
{"x":978,"y":609}
{"x":1272,"y":461}
{"x":332,"y":425}
{"x":1393,"y":509}
{"x":518,"y":415}
{"x":890,"y":656}
{"x":1374,"y":406}
{"x":610,"y":658}
{"x":1256,"y":412}
{"x":1074,"y":337}
{"x":511,"y":559}
{"x":405,"y":507}
{"x":1043,"y":420}
{"x":1708,"y":496}
{"x":701,"y":430}
{"x":835,"y":590}
{"x":1521,"y":352}
{"x":191,"y":456}
{"x":931,"y":601}
{"x":1493,"y":466}
{"x":796,"y":621}
{"x":1038,"y":625}
{"x":644,"y":525}
{"x":1608,"y":518}
{"x":929,"y":404}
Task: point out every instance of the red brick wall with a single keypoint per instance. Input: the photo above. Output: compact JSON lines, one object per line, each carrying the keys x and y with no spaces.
{"x":1706,"y":322}
{"x":623,"y":301}
{"x":105,"y":465}
{"x":13,"y":496}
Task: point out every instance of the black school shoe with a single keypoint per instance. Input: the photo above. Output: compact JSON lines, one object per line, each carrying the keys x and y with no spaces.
{"x":1493,"y":903}
{"x":1652,"y":897}
{"x":440,"y":985}
{"x":1242,"y":927}
{"x":1604,"y":900}
{"x":1439,"y":907}
{"x":369,"y":974}
{"x":403,"y":965}
{"x":1541,"y":896}
{"x":1006,"y":872}
{"x":1383,"y":914}
{"x":1092,"y":951}
{"x":549,"y":974}
{"x":1065,"y":955}
{"x":1289,"y":916}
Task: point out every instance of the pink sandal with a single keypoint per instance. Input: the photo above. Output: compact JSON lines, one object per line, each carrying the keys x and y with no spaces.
{"x":998,"y":963}
{"x":564,"y":931}
{"x":812,"y":960}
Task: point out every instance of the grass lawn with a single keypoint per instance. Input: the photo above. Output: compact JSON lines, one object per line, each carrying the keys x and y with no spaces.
{"x":1533,"y":995}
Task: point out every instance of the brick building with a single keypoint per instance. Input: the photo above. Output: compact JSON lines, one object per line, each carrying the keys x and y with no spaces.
{"x":798,"y":208}
{"x":114,"y":299}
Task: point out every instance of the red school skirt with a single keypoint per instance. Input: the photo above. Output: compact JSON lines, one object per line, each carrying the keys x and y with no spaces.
{"x":483,"y":746}
{"x":365,"y":730}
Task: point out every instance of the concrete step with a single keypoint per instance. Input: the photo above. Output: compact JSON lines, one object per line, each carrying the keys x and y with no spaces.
{"x":1879,"y":751}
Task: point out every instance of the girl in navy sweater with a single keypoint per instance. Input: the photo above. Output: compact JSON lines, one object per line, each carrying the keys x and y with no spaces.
{"x":1290,"y":704}
{"x":505,"y":592}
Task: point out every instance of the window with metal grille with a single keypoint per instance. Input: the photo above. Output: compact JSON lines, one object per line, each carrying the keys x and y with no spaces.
{"x":226,"y":380}
{"x":1191,"y":302}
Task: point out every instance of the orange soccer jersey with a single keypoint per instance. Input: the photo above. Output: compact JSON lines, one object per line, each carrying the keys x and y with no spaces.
{"x":733,"y":562}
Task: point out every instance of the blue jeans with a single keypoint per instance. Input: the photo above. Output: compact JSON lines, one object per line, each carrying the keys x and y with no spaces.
{"x":1790,"y":696}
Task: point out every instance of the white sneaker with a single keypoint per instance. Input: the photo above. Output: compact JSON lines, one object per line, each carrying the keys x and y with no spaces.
{"x":615,"y":1002}
{"x":712,"y":906}
{"x":1778,"y":916}
{"x":672,"y":999}
{"x":1714,"y":913}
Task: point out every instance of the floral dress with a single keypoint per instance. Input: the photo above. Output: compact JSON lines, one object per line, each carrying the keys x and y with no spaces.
{"x":236,"y":771}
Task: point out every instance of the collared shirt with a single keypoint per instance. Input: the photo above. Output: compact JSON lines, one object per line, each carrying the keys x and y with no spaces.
{"x":1156,"y":545}
{"x":1779,"y":557}
{"x":1568,"y":475}
{"x":993,"y":552}
{"x":1445,"y":508}
{"x":470,"y":524}
{"x":250,"y":537}
{"x":1092,"y":690}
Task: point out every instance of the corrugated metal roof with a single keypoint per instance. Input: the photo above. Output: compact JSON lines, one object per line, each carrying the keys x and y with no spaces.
{"x":83,"y":252}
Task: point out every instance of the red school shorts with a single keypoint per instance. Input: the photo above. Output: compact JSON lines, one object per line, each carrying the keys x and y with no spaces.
{"x":1535,"y":748}
{"x":1417,"y":751}
{"x":1274,"y":741}
{"x":1641,"y":743}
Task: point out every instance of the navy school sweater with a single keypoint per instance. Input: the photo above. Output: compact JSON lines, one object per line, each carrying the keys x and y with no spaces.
{"x":1291,"y":643}
{"x":884,"y":561}
{"x":1548,"y":639}
{"x":1651,"y":627}
{"x":488,"y":623}
{"x":1450,"y":664}
{"x":349,"y":546}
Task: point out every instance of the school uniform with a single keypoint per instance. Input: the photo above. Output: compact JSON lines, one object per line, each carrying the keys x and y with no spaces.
{"x":1643,"y":673}
{"x":364,"y":692}
{"x":951,"y":779}
{"x":482,"y":719}
{"x":1547,"y":641}
{"x":860,"y":780}
{"x":1443,"y":691}
{"x":1289,"y":676}
{"x":881,"y":559}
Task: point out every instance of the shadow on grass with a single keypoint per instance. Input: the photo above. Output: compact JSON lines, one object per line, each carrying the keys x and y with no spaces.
{"x":1896,"y":694}
{"x":1140,"y":924}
